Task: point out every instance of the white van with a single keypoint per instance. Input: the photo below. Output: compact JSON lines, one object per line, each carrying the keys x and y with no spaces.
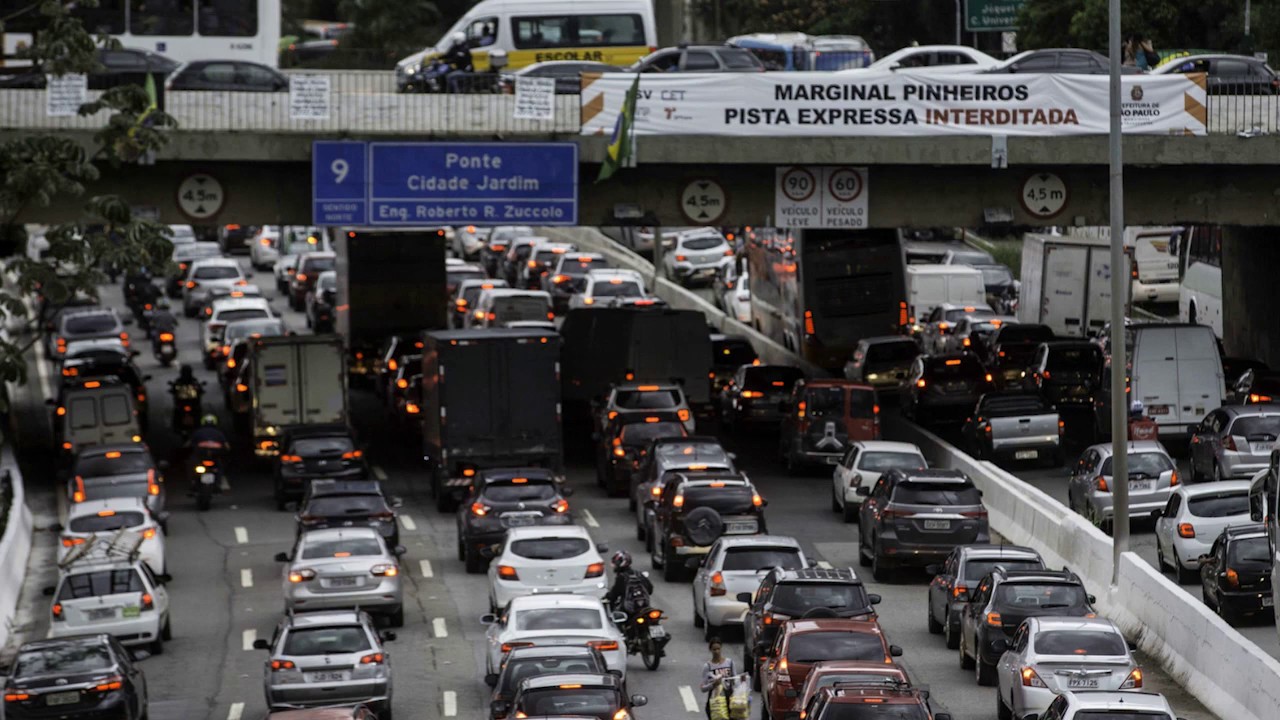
{"x":1155,"y":268}
{"x":931,"y":285}
{"x":98,"y":411}
{"x":616,"y":32}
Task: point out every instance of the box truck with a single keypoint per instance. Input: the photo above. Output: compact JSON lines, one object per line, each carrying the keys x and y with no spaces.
{"x":297,"y":380}
{"x":1066,"y":283}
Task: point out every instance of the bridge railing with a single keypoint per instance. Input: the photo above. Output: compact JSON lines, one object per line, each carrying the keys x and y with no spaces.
{"x":1243,"y":108}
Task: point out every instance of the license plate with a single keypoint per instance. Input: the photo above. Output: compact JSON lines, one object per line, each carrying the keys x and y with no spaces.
{"x":1157,"y":409}
{"x":62,"y":698}
{"x":344,"y":582}
{"x":207,"y":479}
{"x":937,"y":524}
{"x":1142,"y":485}
{"x":131,"y":611}
{"x":1026,"y":455}
{"x":833,"y":460}
{"x":740,"y":527}
{"x":657,"y":631}
{"x":327,"y":676}
{"x":1082,"y":683}
{"x":518,"y":521}
{"x":1268,"y":601}
{"x":100,"y":613}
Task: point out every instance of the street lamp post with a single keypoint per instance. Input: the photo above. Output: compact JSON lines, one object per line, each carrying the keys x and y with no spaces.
{"x":1119,"y":280}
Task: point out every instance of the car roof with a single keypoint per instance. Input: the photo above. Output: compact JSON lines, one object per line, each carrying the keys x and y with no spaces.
{"x":547,"y":531}
{"x":969,"y":307}
{"x":329,"y":486}
{"x":870,"y":627}
{"x":974,"y":552}
{"x":709,"y":478}
{"x":552,"y":600}
{"x":241,"y":303}
{"x":95,"y":310}
{"x":95,"y":450}
{"x":542,"y":682}
{"x":1251,"y":410}
{"x":1081,"y":624}
{"x":887,"y":339}
{"x":1115,"y":700}
{"x":209,"y":261}
{"x":647,"y":386}
{"x":46,"y":643}
{"x":467,"y":283}
{"x":321,"y":618}
{"x":1213,"y":488}
{"x":728,"y":541}
{"x":836,"y":383}
{"x":1236,"y":532}
{"x":818,"y":574}
{"x":1036,"y":576}
{"x":1135,"y":446}
{"x":935,"y":475}
{"x":887,"y":446}
{"x":495,"y":474}
{"x":546,"y":651}
{"x":342,"y":533}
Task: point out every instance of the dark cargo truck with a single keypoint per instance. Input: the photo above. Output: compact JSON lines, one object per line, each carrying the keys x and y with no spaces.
{"x":390,"y":282}
{"x":490,"y":399}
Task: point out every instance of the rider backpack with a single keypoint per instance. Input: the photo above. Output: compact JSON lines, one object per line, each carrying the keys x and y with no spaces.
{"x":634,"y":597}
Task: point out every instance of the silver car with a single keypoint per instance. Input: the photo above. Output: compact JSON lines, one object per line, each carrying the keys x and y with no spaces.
{"x":733,"y":566}
{"x":1234,"y":442}
{"x":1152,"y":477}
{"x":327,"y":658}
{"x":1052,"y":655}
{"x":344,"y":568}
{"x":118,"y":470}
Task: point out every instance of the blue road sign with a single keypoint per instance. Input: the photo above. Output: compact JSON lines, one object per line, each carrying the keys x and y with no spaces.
{"x":446,"y":183}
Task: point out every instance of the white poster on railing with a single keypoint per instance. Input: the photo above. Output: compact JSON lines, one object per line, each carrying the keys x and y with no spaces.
{"x":65,"y":94}
{"x":885,"y":104}
{"x":535,"y":98}
{"x":309,"y":97}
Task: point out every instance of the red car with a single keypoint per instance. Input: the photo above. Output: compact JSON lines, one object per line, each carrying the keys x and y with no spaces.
{"x":823,"y":418}
{"x":803,"y":643}
{"x":829,"y":673}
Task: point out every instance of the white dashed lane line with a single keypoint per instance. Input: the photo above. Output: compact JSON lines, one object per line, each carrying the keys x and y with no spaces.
{"x":589,"y":519}
{"x":450,"y":702}
{"x":438,"y":628}
{"x":407,"y":523}
{"x":246,"y":578}
{"x":242,"y":537}
{"x":247,"y":638}
{"x":235,"y":711}
{"x":690,"y":702}
{"x":426,"y":568}
{"x":379,"y":473}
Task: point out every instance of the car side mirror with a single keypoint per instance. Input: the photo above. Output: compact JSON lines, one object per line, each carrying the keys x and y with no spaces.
{"x":282,"y":557}
{"x":487,"y":552}
{"x":566,"y":491}
{"x":1000,"y":644}
{"x":56,"y":527}
{"x":863,"y":490}
{"x":387,"y":636}
{"x":488,"y":619}
{"x":602,"y":547}
{"x":1092,"y":599}
{"x":616,"y":673}
{"x":51,"y":402}
{"x":1157,"y":513}
{"x":49,"y":590}
{"x":1132,"y":645}
{"x":895,"y":651}
{"x":694,"y":563}
{"x":261,"y":644}
{"x":164,"y":578}
{"x":743,"y":597}
{"x":498,"y":707}
{"x":397,"y":502}
{"x":639,"y":701}
{"x":491,"y":679}
{"x":618,"y":617}
{"x":399,"y":550}
{"x":874,"y":598}
{"x":933,"y":569}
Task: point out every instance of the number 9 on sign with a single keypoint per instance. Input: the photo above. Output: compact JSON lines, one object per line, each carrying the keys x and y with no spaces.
{"x":340,"y":170}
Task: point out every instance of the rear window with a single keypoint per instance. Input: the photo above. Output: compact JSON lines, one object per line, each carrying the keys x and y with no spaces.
{"x":1034,"y":596}
{"x":318,"y":264}
{"x":326,"y":640}
{"x":102,"y":582}
{"x":728,"y":500}
{"x":974,"y":569}
{"x":454,"y":277}
{"x":116,"y":410}
{"x":83,"y":413}
{"x":346,"y":505}
{"x":641,"y":433}
{"x":322,"y":446}
{"x":1146,"y":464}
{"x":244,"y":314}
{"x":959,"y":313}
{"x":926,"y":493}
{"x":1074,"y":642}
{"x":1218,"y":505}
{"x":195,"y":251}
{"x":703,"y":453}
{"x":547,"y":256}
{"x":646,"y":400}
{"x":580,"y":266}
{"x":85,"y":324}
{"x":104,"y":523}
{"x":1014,"y":405}
{"x":1249,"y":551}
{"x":820,"y":401}
{"x":892,"y":352}
{"x":550,"y":548}
{"x":771,"y":378}
{"x":739,"y":352}
{"x":796,"y":599}
{"x":812,"y":647}
{"x":885,"y":461}
{"x":344,"y":547}
{"x":702,"y":243}
{"x":1122,"y":715}
{"x":1025,"y":334}
{"x":996,"y":275}
{"x":520,"y":308}
{"x":588,"y":702}
{"x":619,"y":288}
{"x":741,"y":60}
{"x":245,"y":329}
{"x":72,"y":658}
{"x":967,"y":368}
{"x":99,"y":465}
{"x":507,"y":491}
{"x":524,"y":668}
{"x":102,"y":488}
{"x":560,"y":618}
{"x":216,"y":272}
{"x":1067,"y":359}
{"x":1259,"y":427}
{"x":760,"y":558}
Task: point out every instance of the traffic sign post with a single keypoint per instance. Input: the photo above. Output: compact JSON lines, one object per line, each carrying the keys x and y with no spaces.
{"x":406,"y":184}
{"x":703,"y":201}
{"x":992,"y":15}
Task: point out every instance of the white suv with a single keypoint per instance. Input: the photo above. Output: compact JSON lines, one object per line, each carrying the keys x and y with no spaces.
{"x":207,"y":273}
{"x":100,"y":519}
{"x":1101,"y":703}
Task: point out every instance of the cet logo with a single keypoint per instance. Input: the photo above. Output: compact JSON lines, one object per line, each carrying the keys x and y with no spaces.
{"x":1136,"y":93}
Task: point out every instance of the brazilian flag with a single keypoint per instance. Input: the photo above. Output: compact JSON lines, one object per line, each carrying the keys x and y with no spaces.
{"x":619,"y":150}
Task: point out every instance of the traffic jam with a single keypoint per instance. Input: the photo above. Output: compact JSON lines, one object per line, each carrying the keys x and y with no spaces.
{"x":498,"y":458}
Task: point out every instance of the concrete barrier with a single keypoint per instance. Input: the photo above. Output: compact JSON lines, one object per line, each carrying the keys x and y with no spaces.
{"x":15,"y":546}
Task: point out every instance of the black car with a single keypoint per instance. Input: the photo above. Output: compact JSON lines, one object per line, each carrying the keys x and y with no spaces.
{"x":1002,"y":600}
{"x":694,"y":510}
{"x":567,"y":74}
{"x":728,"y":353}
{"x":621,"y":447}
{"x":118,"y":66}
{"x":530,"y":661}
{"x":789,"y":594}
{"x":312,"y":452}
{"x":757,"y":394}
{"x":1067,"y":372}
{"x":1065,"y":61}
{"x":505,"y":498}
{"x":1235,"y":575}
{"x":699,"y":59}
{"x":83,"y":676}
{"x":595,"y":695}
{"x":320,"y":303}
{"x":348,"y":503}
{"x":882,"y":362}
{"x":236,"y":75}
{"x":1011,"y":351}
{"x":1229,"y":74}
{"x":915,"y":517}
{"x":944,"y":388}
{"x":957,"y":577}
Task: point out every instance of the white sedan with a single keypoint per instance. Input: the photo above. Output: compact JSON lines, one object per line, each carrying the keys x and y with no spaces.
{"x":862,"y":465}
{"x":1193,"y":518}
{"x":555,"y":620}
{"x":737,"y":300}
{"x":543,"y":559}
{"x":735,"y":565}
{"x":934,"y":60}
{"x":105,"y":518}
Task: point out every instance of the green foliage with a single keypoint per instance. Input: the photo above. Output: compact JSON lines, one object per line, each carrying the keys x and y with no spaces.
{"x":886,"y":25}
{"x":394,"y":27}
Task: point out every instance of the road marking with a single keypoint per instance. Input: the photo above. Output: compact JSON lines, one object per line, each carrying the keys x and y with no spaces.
{"x":379,"y":473}
{"x":438,"y":629}
{"x":450,"y":703}
{"x":408,"y":523}
{"x":248,"y":637}
{"x":690,"y":702}
{"x":589,"y":518}
{"x":824,"y":564}
{"x":236,"y":710}
{"x":242,"y":537}
{"x":246,"y":578}
{"x":426,"y":568}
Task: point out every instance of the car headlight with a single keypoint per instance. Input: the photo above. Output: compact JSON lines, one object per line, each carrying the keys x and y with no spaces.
{"x":411,"y":70}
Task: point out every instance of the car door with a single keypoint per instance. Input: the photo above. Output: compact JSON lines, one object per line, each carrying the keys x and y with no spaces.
{"x":1209,"y":570}
{"x":755,"y":615}
{"x":699,"y":61}
{"x":870,"y":509}
{"x":940,"y":587}
{"x":1009,"y":666}
{"x":1166,"y":523}
{"x":216,"y":76}
{"x":710,"y":561}
{"x":968,"y":618}
{"x":843,"y":474}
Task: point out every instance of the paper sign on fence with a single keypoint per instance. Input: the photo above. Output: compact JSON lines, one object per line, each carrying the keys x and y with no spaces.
{"x":309,"y":97}
{"x":65,"y":94}
{"x":535,"y":98}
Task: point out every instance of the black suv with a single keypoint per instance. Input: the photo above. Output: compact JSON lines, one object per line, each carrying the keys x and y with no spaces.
{"x":757,"y":394}
{"x":788,"y":594}
{"x":668,"y":453}
{"x":312,"y":452}
{"x":944,"y":388}
{"x":955,"y":579}
{"x":347,"y":503}
{"x":80,"y":676}
{"x":1002,"y":600}
{"x":620,"y":449}
{"x":1235,"y":575}
{"x":504,"y":498}
{"x":695,"y":510}
{"x":595,"y":695}
{"x":1011,"y":351}
{"x":915,"y":517}
{"x":1067,"y":372}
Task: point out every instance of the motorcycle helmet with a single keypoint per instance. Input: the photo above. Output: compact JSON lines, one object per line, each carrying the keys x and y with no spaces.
{"x":185,"y":375}
{"x":459,"y":37}
{"x":621,"y":560}
{"x":209,"y":420}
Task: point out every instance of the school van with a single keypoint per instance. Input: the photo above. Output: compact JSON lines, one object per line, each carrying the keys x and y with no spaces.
{"x":931,"y":285}
{"x":617,"y":32}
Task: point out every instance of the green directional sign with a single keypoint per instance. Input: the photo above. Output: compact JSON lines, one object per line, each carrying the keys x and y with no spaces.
{"x":991,"y":15}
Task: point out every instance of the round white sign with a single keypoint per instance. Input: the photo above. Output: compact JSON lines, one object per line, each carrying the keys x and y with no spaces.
{"x":200,"y":196}
{"x":703,"y":202}
{"x":1043,"y":195}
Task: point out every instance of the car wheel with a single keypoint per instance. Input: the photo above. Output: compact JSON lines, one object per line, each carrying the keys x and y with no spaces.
{"x":710,"y":631}
{"x":863,"y":558}
{"x":698,"y":622}
{"x":474,"y":562}
{"x":396,"y":619}
{"x":935,"y":627}
{"x":879,"y":570}
{"x":850,"y":512}
{"x":951,"y":634}
{"x":156,"y":647}
{"x":1217,"y":473}
{"x":983,"y":672}
{"x":749,"y":665}
{"x":1161,"y":565}
{"x":835,"y":501}
{"x":670,"y":571}
{"x":631,"y":505}
{"x":1185,"y":576}
{"x":166,"y":633}
{"x":1003,"y":711}
{"x":384,"y":711}
{"x":462,"y":549}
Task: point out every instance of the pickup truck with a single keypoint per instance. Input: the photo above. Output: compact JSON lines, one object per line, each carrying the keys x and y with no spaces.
{"x":1014,"y":427}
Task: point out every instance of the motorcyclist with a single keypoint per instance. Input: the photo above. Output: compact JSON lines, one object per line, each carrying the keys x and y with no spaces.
{"x":160,"y":320}
{"x":207,"y":442}
{"x":455,"y":60}
{"x":624,"y":576}
{"x":186,"y":386}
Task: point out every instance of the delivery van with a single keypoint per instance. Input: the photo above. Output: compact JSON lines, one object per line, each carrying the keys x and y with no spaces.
{"x":931,"y":285}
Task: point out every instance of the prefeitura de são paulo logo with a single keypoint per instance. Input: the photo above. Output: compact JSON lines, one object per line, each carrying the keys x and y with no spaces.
{"x":1136,"y":93}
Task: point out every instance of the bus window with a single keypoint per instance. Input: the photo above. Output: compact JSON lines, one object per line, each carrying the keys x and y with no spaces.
{"x":105,"y":19}
{"x":229,"y":18}
{"x":162,"y":17}
{"x":553,"y":31}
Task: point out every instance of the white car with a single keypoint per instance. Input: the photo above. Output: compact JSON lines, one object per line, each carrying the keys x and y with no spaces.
{"x":737,"y":300}
{"x":545,"y":559}
{"x":272,"y":241}
{"x":603,"y":286}
{"x":736,"y":565}
{"x":229,"y":310}
{"x":1053,"y":655}
{"x":934,"y":60}
{"x":1193,"y":518}
{"x":207,"y":273}
{"x":105,"y":587}
{"x":698,"y":254}
{"x":181,"y":234}
{"x":499,"y":306}
{"x":1086,"y":704}
{"x":862,"y":465}
{"x":555,"y":620}
{"x":103,"y":518}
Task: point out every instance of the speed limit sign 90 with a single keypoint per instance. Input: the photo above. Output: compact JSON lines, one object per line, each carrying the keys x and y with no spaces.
{"x":798,"y":184}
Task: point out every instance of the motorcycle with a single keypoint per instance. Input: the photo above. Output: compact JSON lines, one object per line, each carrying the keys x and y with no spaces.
{"x":186,"y":406}
{"x":164,"y":347}
{"x":645,"y":635}
{"x":206,"y":474}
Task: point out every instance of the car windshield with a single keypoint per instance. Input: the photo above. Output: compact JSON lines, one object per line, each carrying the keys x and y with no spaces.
{"x":106,"y":520}
{"x":874,"y":711}
{"x":1147,"y":464}
{"x":1077,"y":642}
{"x":310,"y":447}
{"x":1071,"y":359}
{"x":550,"y":548}
{"x":885,"y":461}
{"x":1219,"y":504}
{"x":520,"y":669}
{"x":1252,"y":551}
{"x":996,"y":275}
{"x":101,"y":582}
{"x":1259,"y":427}
{"x":84,"y":324}
{"x":796,"y":599}
{"x":894,"y":352}
{"x":341,"y":548}
{"x":317,"y":264}
{"x":976,"y":568}
{"x":732,"y":353}
{"x":646,"y":399}
{"x":704,"y":242}
{"x":112,"y":463}
{"x":762,"y":558}
{"x":507,"y":491}
{"x":1041,"y":595}
{"x":641,"y":433}
{"x":559,"y":618}
{"x":727,"y":500}
{"x":66,"y":658}
{"x":617,"y":288}
{"x":243,"y":314}
{"x":326,"y":640}
{"x":927,"y":493}
{"x":340,"y":505}
{"x":216,"y":272}
{"x":578,"y":266}
{"x":812,"y":647}
{"x":244,"y":329}
{"x":771,"y":378}
{"x":574,"y":700}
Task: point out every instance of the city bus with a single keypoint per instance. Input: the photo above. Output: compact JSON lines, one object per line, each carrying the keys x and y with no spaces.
{"x":184,"y":30}
{"x":1199,"y":253}
{"x":818,"y":292}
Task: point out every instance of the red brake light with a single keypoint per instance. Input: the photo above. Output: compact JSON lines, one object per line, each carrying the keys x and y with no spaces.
{"x":595,"y":570}
{"x":507,"y":572}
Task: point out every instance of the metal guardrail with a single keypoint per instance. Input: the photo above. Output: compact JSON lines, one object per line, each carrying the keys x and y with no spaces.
{"x":1232,"y":110}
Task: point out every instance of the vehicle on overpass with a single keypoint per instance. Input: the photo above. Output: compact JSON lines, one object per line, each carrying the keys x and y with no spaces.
{"x":819,"y":292}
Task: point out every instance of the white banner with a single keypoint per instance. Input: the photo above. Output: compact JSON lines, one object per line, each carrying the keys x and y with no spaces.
{"x":885,"y":104}
{"x":309,"y":97}
{"x":535,"y":98}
